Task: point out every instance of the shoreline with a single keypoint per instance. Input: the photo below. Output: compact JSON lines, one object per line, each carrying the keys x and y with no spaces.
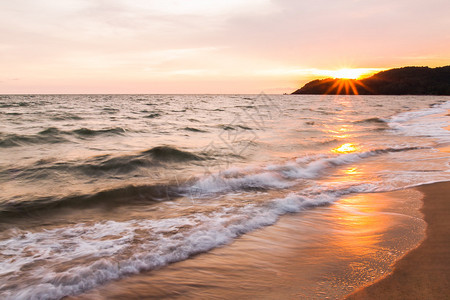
{"x":327,"y":251}
{"x":424,"y":272}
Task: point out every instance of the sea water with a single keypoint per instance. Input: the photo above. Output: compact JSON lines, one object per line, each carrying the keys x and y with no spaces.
{"x":100,"y":188}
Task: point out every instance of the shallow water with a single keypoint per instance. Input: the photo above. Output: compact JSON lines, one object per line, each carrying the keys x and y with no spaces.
{"x":97,"y":188}
{"x":309,"y":255}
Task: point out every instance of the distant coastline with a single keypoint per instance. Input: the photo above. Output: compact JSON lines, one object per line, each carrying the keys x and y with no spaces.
{"x":399,"y":81}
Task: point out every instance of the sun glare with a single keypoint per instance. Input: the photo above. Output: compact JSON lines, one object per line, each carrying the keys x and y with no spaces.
{"x":349,"y":73}
{"x":346,"y":148}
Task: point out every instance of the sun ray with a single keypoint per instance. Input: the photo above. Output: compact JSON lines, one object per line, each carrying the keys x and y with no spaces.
{"x":332,"y":87}
{"x":358,"y":82}
{"x":341,"y":86}
{"x":353,"y":87}
{"x":347,"y":86}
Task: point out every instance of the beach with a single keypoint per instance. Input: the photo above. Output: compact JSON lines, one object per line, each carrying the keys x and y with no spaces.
{"x":423,"y":273}
{"x":325,"y":253}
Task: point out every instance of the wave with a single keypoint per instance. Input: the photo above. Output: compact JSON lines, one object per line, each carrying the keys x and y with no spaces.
{"x":279,"y":176}
{"x":96,"y":167}
{"x":170,"y":154}
{"x":411,"y":115}
{"x":66,"y":116}
{"x":231,"y":180}
{"x":148,"y":158}
{"x":321,"y":163}
{"x":235,"y":127}
{"x":83,"y":131}
{"x":15,"y":140}
{"x":110,"y":110}
{"x":53,"y":135}
{"x":92,"y":132}
{"x":327,"y":142}
{"x":100,"y":166}
{"x":50,"y":131}
{"x":430,"y":122}
{"x":371,"y":120}
{"x":122,"y":164}
{"x":113,"y":253}
{"x":14,"y":104}
{"x":111,"y":198}
{"x":153,"y":115}
{"x":244,"y":106}
{"x":193,"y":129}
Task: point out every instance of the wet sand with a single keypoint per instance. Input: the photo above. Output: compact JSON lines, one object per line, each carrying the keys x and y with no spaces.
{"x":424,"y":273}
{"x":322,"y":253}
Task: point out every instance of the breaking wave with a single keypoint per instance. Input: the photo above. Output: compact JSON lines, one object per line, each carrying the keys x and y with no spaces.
{"x":112,"y":249}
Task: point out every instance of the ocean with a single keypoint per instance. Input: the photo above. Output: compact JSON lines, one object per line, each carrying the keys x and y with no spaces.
{"x":103,"y":189}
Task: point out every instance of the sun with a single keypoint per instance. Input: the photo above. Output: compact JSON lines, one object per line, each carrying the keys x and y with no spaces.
{"x":349,"y":73}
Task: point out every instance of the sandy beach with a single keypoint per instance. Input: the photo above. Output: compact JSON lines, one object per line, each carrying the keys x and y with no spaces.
{"x":424,"y":273}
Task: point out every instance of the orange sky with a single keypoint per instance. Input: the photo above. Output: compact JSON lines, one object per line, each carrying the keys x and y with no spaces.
{"x":204,"y":46}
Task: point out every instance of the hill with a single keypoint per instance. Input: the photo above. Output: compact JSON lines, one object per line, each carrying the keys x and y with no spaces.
{"x":400,"y":81}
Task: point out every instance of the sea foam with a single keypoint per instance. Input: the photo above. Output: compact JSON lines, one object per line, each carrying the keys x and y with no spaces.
{"x":110,"y":251}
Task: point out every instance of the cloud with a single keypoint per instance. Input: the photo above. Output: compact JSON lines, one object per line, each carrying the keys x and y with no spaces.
{"x":45,"y":40}
{"x":182,"y":72}
{"x":200,"y":8}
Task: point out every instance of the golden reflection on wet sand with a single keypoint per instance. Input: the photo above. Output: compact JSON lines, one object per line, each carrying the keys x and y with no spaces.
{"x":325,"y":252}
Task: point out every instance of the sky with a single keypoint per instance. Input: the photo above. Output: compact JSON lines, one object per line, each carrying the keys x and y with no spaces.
{"x":210,"y":46}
